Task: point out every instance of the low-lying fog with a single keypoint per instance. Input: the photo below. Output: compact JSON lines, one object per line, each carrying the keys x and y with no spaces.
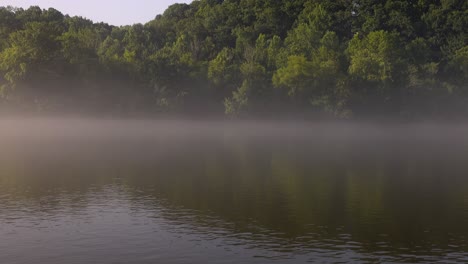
{"x":98,"y":139}
{"x":144,"y":191}
{"x":172,"y":129}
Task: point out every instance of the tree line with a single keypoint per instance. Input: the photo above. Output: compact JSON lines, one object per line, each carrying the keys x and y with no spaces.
{"x":335,"y":58}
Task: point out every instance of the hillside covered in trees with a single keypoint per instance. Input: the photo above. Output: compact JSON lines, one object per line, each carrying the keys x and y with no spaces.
{"x":336,"y":58}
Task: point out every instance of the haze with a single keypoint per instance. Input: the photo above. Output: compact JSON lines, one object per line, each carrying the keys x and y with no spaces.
{"x":236,"y":131}
{"x":141,"y":191}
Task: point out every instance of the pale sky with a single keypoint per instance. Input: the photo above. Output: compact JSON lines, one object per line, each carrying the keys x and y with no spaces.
{"x":114,"y":12}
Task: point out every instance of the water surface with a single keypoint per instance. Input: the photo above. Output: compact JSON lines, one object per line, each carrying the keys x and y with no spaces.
{"x":103,"y":191}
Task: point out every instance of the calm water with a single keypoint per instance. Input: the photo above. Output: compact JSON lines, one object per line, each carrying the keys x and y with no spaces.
{"x":87,"y":191}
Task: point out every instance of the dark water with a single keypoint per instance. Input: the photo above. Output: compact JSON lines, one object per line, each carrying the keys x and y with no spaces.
{"x":174,"y":192}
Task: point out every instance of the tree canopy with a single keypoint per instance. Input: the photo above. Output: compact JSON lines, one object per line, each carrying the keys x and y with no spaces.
{"x":335,"y":58}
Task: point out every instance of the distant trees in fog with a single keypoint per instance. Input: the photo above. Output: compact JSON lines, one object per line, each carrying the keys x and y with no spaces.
{"x":333,"y":57}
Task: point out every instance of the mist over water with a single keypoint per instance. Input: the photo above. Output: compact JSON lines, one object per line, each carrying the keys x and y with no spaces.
{"x":141,"y":191}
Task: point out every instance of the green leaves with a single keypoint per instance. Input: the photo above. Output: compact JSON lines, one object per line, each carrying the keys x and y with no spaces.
{"x":222,"y":69}
{"x":296,"y":76}
{"x":375,"y":57}
{"x":317,"y":79}
{"x":336,"y":57}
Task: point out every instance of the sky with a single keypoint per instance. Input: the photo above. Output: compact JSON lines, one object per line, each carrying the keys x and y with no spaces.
{"x":114,"y":12}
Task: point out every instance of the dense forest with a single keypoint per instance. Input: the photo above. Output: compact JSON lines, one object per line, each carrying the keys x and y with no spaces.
{"x":333,"y":58}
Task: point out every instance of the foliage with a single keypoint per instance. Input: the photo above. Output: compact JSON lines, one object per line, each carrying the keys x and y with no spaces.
{"x":242,"y":57}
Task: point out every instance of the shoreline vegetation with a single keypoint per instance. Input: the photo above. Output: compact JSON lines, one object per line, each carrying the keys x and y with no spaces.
{"x":304,"y":59}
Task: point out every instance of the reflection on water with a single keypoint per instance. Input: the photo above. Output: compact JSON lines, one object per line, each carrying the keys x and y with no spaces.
{"x":168,"y":192}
